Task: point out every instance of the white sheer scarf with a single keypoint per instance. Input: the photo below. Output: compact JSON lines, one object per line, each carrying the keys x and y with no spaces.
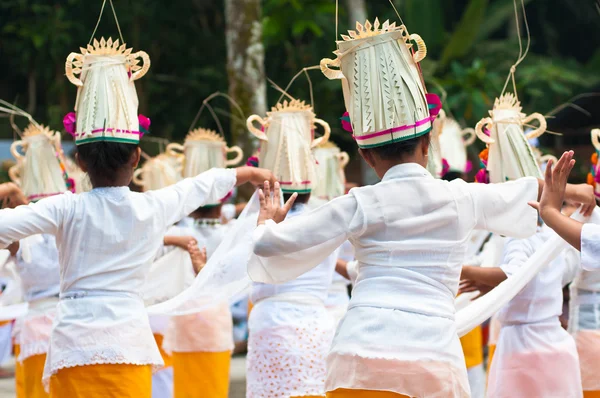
{"x":225,"y":276}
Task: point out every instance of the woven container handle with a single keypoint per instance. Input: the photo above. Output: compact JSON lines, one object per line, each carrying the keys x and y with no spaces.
{"x":174,"y":149}
{"x":326,"y":133}
{"x":421,"y":52}
{"x":14,"y":174}
{"x":469,"y":136}
{"x":540,"y":130}
{"x":145,"y":66}
{"x":239,"y":154}
{"x":331,"y":74}
{"x":137,"y":177}
{"x":485,"y":122}
{"x":257,"y":132}
{"x":14,"y":149}
{"x":344,"y":158}
{"x":74,"y":59}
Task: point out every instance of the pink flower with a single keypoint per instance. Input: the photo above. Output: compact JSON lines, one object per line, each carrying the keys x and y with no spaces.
{"x":469,"y":166}
{"x":346,"y":123}
{"x":482,"y":177}
{"x":144,"y":123}
{"x":69,"y":122}
{"x":434,"y":103}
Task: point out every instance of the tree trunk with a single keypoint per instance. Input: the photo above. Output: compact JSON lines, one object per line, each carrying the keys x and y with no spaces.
{"x":245,"y":65}
{"x":357,"y":12}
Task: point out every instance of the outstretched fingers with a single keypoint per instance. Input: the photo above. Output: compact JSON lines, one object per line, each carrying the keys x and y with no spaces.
{"x":290,"y":202}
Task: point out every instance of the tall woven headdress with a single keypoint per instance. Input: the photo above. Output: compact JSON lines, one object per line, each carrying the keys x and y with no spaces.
{"x":107,"y":103}
{"x":286,"y":141}
{"x":453,"y":141}
{"x":204,"y":149}
{"x":331,"y":179}
{"x":509,"y":155}
{"x":385,"y":97}
{"x":39,"y":172}
{"x":159,"y":172}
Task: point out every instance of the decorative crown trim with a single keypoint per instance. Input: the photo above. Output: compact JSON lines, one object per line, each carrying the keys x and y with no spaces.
{"x":292,"y":106}
{"x":508,"y":101}
{"x":33,"y":130}
{"x":201,"y":134}
{"x":369,"y":30}
{"x":106,"y":47}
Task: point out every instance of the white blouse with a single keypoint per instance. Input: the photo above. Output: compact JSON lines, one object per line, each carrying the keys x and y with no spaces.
{"x":107,"y":239}
{"x":37,"y":265}
{"x":410,"y":233}
{"x":590,"y":247}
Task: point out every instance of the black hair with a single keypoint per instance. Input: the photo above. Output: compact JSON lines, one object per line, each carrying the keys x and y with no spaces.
{"x":302,"y":198}
{"x":208,"y":211}
{"x":398,"y":150}
{"x":452,"y":175}
{"x":105,"y":160}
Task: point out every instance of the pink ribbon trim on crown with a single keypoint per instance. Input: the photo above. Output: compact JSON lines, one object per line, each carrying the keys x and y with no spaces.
{"x":110,"y":130}
{"x":434,"y":104}
{"x":395,"y":129}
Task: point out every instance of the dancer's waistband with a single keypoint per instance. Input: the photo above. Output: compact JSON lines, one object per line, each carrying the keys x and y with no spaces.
{"x":78,"y":294}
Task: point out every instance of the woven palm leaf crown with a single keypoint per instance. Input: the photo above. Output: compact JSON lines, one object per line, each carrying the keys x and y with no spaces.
{"x":107,"y":103}
{"x":386,"y":100}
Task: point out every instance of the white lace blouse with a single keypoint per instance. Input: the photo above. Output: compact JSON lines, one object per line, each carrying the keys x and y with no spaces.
{"x":107,"y":239}
{"x":410,"y":233}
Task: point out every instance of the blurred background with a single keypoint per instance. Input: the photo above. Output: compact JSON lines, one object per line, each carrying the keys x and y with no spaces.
{"x":198,"y":47}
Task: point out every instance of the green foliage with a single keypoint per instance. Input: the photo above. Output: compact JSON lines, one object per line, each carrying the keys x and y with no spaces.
{"x":471,"y":46}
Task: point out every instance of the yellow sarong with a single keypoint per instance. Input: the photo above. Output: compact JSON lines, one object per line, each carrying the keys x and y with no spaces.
{"x":344,"y":393}
{"x":33,"y":370}
{"x":19,"y":383}
{"x":472,"y":345}
{"x":167,"y":359}
{"x":491,"y":352}
{"x":201,"y":374}
{"x":102,"y":381}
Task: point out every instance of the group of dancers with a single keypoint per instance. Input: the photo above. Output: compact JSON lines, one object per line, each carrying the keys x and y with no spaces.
{"x":92,"y":255}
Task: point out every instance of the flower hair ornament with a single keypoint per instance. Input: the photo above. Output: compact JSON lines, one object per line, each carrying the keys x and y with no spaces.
{"x":593,"y":177}
{"x":286,"y":141}
{"x":509,"y":155}
{"x":385,"y":97}
{"x":107,"y":104}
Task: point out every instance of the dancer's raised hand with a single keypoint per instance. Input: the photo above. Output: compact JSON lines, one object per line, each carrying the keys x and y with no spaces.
{"x":270,"y":206}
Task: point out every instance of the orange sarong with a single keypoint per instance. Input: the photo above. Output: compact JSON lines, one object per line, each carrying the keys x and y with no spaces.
{"x":591,"y":394}
{"x":344,"y":393}
{"x":19,"y":382}
{"x":102,"y":381}
{"x":472,"y":345}
{"x":33,"y":370}
{"x":201,"y":374}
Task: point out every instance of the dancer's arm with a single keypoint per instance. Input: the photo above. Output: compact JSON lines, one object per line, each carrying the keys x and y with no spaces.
{"x":43,"y":217}
{"x":290,"y":248}
{"x":181,"y":199}
{"x":341,"y":267}
{"x":472,"y":277}
{"x":553,"y":195}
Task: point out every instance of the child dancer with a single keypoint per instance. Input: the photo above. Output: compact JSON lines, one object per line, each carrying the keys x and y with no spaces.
{"x":410,"y":231}
{"x":202,"y":343}
{"x":37,"y":256}
{"x":101,"y":343}
{"x":289,"y":328}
